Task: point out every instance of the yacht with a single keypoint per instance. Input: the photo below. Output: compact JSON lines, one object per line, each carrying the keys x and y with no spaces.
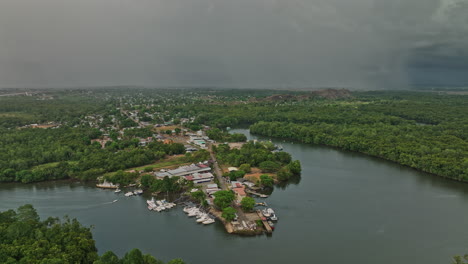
{"x":151,"y":204}
{"x":187,"y":209}
{"x":117,"y":190}
{"x":129,"y":194}
{"x":272,"y":214}
{"x":202,"y":218}
{"x":208,"y":221}
{"x":270,"y":223}
{"x":193,"y":212}
{"x":266,"y":213}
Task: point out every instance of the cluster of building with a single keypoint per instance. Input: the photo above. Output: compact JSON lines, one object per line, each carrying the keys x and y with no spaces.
{"x":197,"y":171}
{"x":198,"y":139}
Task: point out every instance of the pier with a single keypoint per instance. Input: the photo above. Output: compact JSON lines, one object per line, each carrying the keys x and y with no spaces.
{"x":265,"y":223}
{"x":256,"y":193}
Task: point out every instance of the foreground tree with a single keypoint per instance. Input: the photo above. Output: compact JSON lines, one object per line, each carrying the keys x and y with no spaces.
{"x":223,"y":199}
{"x":247,"y":204}
{"x":26,"y":239}
{"x":229,"y":213}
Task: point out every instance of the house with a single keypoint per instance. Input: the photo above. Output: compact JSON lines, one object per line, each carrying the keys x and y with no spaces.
{"x":212,"y":188}
{"x":200,"y":177}
{"x":168,"y":141}
{"x":240,"y":192}
{"x":236,"y":184}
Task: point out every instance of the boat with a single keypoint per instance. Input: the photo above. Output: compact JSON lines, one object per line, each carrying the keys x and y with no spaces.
{"x":208,"y":221}
{"x":266,"y":213}
{"x":203,"y":218}
{"x":187,"y":209}
{"x":193,"y":212}
{"x":114,"y":201}
{"x":138,"y":192}
{"x":128,"y":194}
{"x":151,"y":204}
{"x":167,"y":204}
{"x":117,"y":191}
{"x":270,"y":223}
{"x":272,"y":215}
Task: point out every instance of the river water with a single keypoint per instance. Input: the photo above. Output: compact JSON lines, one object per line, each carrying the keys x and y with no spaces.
{"x":347,"y":208}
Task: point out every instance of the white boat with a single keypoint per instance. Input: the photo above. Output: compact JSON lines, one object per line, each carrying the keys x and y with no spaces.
{"x":208,"y":221}
{"x":193,"y":212}
{"x":117,"y":191}
{"x":114,"y":201}
{"x":270,"y":223}
{"x":138,"y":192}
{"x":151,"y":204}
{"x":187,"y":209}
{"x":129,"y":194}
{"x":266,"y":213}
{"x":271,"y":214}
{"x":166,"y":204}
{"x":202,"y":219}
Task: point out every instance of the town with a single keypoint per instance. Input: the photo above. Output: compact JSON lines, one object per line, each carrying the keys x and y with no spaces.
{"x":207,"y":179}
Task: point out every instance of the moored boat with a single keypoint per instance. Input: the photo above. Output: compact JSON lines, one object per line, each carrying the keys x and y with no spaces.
{"x":270,"y":223}
{"x":266,"y":213}
{"x":208,"y":221}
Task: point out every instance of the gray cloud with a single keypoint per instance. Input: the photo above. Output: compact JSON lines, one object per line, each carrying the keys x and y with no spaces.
{"x":243,"y":43}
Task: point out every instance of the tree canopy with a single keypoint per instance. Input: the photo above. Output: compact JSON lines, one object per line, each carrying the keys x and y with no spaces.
{"x":24,"y":238}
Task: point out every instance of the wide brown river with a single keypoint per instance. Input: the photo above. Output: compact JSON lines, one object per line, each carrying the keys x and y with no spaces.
{"x":347,"y":208}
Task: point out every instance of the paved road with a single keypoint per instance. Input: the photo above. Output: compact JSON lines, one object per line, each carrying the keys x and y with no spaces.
{"x":217,"y":170}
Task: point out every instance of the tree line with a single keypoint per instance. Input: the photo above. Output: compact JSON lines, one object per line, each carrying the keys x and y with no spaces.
{"x":24,"y":238}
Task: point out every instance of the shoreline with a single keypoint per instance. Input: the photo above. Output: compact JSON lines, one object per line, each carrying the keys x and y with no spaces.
{"x":358,"y":152}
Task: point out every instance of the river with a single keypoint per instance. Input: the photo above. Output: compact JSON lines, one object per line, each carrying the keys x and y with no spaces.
{"x":347,"y":208}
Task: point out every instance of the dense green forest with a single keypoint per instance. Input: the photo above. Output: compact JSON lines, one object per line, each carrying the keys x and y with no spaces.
{"x":30,"y":155}
{"x":24,"y":238}
{"x":424,"y":130}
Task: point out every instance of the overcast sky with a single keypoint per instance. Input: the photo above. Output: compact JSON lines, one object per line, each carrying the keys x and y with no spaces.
{"x":233,"y":43}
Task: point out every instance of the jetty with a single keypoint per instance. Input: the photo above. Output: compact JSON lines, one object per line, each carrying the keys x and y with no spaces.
{"x":256,"y":193}
{"x":107,"y":185}
{"x":265,"y":222}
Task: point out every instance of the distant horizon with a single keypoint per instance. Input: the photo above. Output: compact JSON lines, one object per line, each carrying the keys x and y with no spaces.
{"x":311,"y":88}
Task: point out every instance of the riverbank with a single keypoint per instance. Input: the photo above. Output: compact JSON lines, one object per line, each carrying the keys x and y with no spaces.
{"x":377,"y":205}
{"x":293,"y":140}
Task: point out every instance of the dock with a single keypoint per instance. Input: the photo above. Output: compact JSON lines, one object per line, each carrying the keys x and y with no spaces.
{"x":107,"y":186}
{"x":265,"y":223}
{"x":256,"y":193}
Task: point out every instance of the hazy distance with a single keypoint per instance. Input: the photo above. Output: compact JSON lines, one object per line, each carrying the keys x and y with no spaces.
{"x":226,"y":43}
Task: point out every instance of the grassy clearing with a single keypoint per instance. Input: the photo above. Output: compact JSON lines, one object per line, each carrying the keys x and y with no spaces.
{"x":171,"y":162}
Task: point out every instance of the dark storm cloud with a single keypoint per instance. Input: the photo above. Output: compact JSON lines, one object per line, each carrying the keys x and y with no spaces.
{"x":242,"y":43}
